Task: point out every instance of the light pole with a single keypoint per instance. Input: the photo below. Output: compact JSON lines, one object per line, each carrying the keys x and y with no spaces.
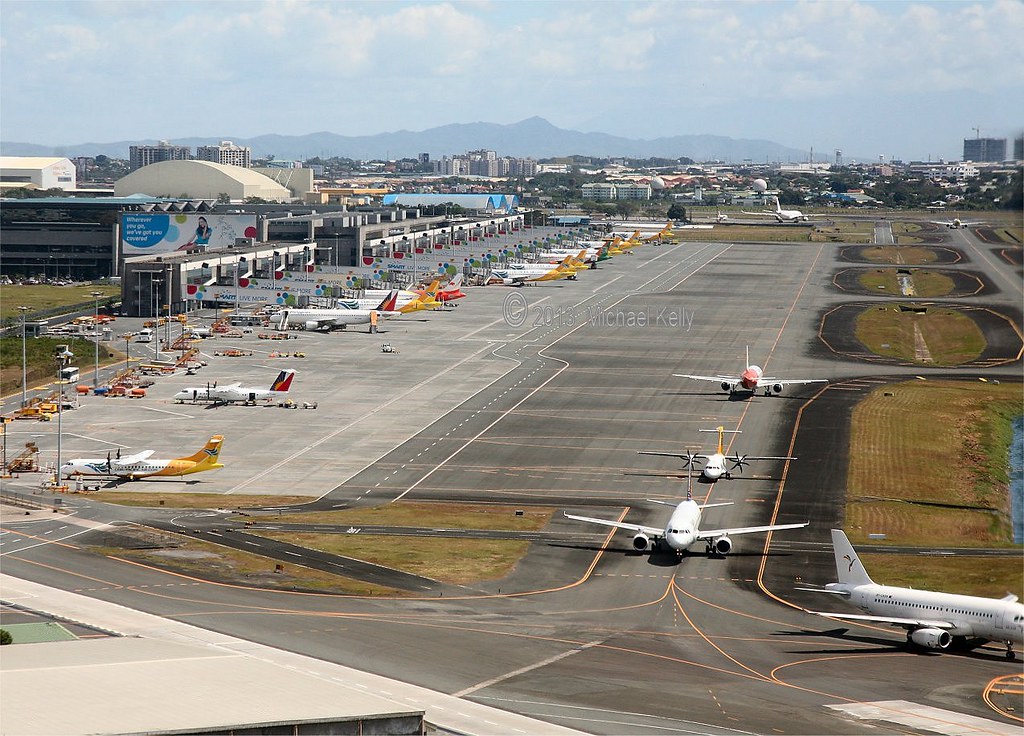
{"x":63,"y":358}
{"x":96,"y":336}
{"x":154,"y":285}
{"x":24,"y":370}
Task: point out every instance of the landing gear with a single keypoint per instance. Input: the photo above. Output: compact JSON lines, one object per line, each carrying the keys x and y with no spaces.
{"x":1009,"y":651}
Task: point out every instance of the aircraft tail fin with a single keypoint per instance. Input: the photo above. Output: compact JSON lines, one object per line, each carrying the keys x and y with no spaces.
{"x":849,"y":568}
{"x":432,"y":289}
{"x":455,"y":284}
{"x":388,"y":303}
{"x":207,"y":458}
{"x":746,"y":364}
{"x":283,"y":381}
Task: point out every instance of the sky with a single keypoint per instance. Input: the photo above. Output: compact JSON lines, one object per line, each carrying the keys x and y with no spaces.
{"x":907,"y":80}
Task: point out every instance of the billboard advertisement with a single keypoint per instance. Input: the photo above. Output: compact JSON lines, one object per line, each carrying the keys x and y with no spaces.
{"x":143,"y":233}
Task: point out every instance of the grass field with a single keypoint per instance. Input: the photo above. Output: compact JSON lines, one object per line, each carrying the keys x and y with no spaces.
{"x":991,"y":577}
{"x":39,"y":354}
{"x":223,"y":564}
{"x":195,"y":500}
{"x":843,"y":231}
{"x":901,"y":255}
{"x":952,"y":338}
{"x":921,"y":445}
{"x":926,"y":283}
{"x":40,"y":297}
{"x":447,"y":515}
{"x":456,"y":561}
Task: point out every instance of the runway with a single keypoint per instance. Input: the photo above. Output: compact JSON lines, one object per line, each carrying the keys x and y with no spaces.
{"x":586,"y":633}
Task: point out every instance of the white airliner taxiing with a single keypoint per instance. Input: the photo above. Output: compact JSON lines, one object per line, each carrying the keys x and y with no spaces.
{"x":751,"y":379}
{"x":782,"y":215}
{"x":932,"y":620}
{"x":956,"y":223}
{"x":683,"y":529}
{"x":717,"y":464}
{"x":237,"y":392}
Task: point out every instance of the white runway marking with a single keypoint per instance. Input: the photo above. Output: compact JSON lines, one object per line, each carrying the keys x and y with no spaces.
{"x":926,"y":718}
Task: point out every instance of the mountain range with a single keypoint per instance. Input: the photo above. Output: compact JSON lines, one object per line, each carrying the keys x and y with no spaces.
{"x":534,"y":137}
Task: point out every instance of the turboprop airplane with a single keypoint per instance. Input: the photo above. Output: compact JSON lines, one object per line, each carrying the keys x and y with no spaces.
{"x":683,"y":529}
{"x":237,"y":392}
{"x":517,"y":274}
{"x":316,"y":319}
{"x":782,"y":215}
{"x":751,"y":379}
{"x":932,"y":620}
{"x":142,"y":465}
{"x":715,"y":464}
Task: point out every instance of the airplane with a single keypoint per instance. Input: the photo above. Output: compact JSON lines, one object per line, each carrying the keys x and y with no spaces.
{"x":315,"y":319}
{"x":449,"y":292}
{"x":956,"y":223}
{"x":782,"y":215}
{"x":722,"y":217}
{"x":751,"y":379}
{"x":517,"y":274}
{"x":715,"y":463}
{"x":683,"y":529}
{"x":372,"y":297}
{"x":237,"y":392}
{"x":933,"y":620}
{"x":142,"y":465}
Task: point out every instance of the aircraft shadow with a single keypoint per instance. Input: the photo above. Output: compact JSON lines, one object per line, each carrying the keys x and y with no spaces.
{"x":878,"y":645}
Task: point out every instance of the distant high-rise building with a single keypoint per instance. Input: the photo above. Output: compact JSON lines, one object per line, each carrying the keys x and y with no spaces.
{"x":139,"y":156}
{"x":1018,"y":148}
{"x":984,"y":149}
{"x":424,"y":158}
{"x":226,"y":153}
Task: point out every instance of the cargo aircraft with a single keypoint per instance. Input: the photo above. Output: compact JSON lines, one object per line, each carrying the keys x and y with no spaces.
{"x":932,"y":620}
{"x":142,"y":465}
{"x":237,"y":392}
{"x":716,"y":464}
{"x":683,"y":529}
{"x":750,"y":380}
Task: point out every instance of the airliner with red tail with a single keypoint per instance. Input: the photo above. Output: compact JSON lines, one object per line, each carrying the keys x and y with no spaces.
{"x":751,"y":379}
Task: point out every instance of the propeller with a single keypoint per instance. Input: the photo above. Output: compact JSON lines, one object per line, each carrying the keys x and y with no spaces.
{"x":688,"y":461}
{"x":738,"y":461}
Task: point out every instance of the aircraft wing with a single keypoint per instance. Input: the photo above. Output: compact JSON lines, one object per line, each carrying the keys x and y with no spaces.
{"x":649,"y":530}
{"x":761,"y":214}
{"x":907,"y":623}
{"x":708,"y":534}
{"x":715,"y":379}
{"x":769,"y":381}
{"x":680,"y":455}
{"x":129,"y":459}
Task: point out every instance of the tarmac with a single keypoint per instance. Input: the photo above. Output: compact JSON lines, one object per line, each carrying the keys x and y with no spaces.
{"x":479,"y":407}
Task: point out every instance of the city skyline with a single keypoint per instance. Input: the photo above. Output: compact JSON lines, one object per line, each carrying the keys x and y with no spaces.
{"x":901,"y":80}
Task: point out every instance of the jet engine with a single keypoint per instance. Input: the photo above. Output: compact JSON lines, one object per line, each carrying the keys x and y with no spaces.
{"x":777,"y":388}
{"x":641,"y":542}
{"x":931,"y":638}
{"x":722,"y":545}
{"x":311,"y":325}
{"x":726,"y":386}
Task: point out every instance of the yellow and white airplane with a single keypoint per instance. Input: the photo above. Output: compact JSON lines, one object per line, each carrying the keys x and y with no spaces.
{"x":142,"y":465}
{"x":516,"y":274}
{"x":716,"y":464}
